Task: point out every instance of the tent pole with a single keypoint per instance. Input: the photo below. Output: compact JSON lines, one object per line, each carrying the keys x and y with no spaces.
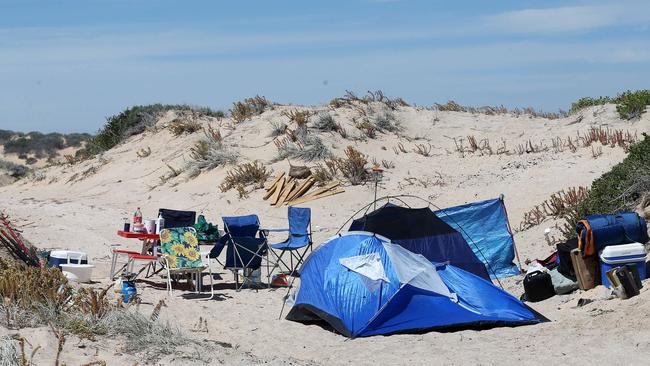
{"x":514,"y":245}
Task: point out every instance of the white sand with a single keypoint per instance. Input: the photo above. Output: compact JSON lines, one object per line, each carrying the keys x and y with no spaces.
{"x":62,"y":211}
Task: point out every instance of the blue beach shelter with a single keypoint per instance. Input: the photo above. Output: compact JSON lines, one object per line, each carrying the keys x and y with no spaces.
{"x":362,"y":284}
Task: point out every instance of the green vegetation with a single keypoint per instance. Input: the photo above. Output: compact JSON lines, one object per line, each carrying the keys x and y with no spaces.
{"x":15,"y":170}
{"x":39,"y":144}
{"x":622,"y":188}
{"x":133,"y":121}
{"x":629,"y":104}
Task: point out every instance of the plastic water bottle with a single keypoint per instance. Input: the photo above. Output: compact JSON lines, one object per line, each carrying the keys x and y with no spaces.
{"x":137,"y":216}
{"x":160,"y":223}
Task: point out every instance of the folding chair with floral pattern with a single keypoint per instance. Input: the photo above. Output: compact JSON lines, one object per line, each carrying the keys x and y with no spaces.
{"x":180,"y":255}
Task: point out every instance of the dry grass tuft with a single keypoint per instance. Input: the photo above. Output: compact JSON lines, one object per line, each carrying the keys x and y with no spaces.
{"x":353,"y":166}
{"x":301,"y":118}
{"x":250,"y":107}
{"x":422,"y":149}
{"x":180,"y":127}
{"x":557,"y":206}
{"x":209,"y":153}
{"x":246,"y":174}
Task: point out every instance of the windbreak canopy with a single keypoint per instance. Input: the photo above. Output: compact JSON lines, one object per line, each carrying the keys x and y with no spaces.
{"x":484,"y":225}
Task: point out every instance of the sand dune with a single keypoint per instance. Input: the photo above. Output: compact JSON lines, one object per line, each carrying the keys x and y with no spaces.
{"x":81,"y":206}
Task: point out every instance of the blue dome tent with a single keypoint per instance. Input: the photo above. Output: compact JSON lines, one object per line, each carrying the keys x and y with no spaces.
{"x":421,"y":231}
{"x":362,"y":284}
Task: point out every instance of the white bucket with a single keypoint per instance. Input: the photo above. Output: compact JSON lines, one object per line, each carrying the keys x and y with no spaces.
{"x":78,"y":272}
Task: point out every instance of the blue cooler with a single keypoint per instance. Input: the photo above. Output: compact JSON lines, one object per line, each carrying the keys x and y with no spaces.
{"x":618,"y":255}
{"x":59,"y":257}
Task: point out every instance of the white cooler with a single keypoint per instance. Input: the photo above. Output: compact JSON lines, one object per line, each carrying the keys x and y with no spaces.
{"x":59,"y":257}
{"x":618,"y":255}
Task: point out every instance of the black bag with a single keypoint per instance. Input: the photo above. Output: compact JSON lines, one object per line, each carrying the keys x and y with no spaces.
{"x":538,"y":286}
{"x":564,"y":255}
{"x":634,"y":270}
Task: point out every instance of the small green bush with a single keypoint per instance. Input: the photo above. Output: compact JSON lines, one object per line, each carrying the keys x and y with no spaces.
{"x":619,"y":189}
{"x":631,"y":105}
{"x":15,"y":170}
{"x":589,"y":102}
{"x":133,"y":121}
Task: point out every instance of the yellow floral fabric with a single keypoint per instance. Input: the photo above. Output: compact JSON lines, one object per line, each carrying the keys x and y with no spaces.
{"x":181,"y":247}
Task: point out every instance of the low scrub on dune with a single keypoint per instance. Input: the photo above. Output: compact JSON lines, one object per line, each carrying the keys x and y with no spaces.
{"x":352,"y":166}
{"x":452,"y":106}
{"x":14,"y":170}
{"x":629,"y":104}
{"x":133,"y":121}
{"x":625,"y":187}
{"x":326,"y":122}
{"x":209,"y":153}
{"x":35,"y":297}
{"x":350,"y":99}
{"x":300,"y":144}
{"x":246,"y":174}
{"x":39,"y":144}
{"x":249,"y":108}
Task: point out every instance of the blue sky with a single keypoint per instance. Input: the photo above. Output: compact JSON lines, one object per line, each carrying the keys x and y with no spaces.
{"x":65,"y":65}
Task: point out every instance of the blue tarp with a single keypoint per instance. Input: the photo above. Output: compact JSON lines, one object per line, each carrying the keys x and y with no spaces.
{"x":484,"y":225}
{"x":357,"y":307}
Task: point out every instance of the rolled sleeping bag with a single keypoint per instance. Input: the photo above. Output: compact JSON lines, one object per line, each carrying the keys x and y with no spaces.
{"x":595,"y":232}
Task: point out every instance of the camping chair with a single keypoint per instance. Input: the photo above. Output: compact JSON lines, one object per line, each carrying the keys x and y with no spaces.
{"x":299,"y":241}
{"x":180,"y":255}
{"x":245,"y":245}
{"x":176,"y":218}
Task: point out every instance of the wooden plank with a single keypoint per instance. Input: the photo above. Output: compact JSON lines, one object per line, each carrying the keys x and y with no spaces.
{"x":278,"y":190}
{"x":315,"y":197}
{"x":324,"y":189}
{"x":285,"y":193}
{"x":275,"y":181}
{"x":300,"y":190}
{"x":270,"y":192}
{"x":317,"y":192}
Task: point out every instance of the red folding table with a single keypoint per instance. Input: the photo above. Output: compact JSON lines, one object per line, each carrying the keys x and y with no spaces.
{"x":147,"y":242}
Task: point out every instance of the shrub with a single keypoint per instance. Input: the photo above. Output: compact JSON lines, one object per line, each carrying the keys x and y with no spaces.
{"x":322,"y":175}
{"x":133,"y":121}
{"x":301,"y":118}
{"x":14,"y":170}
{"x":306,"y":147}
{"x":209,"y":153}
{"x":622,"y":188}
{"x":245,"y":174}
{"x":589,"y":102}
{"x":250,"y":107}
{"x":631,"y":105}
{"x":41,"y":145}
{"x":179,"y":127}
{"x":451,"y":106}
{"x":353,"y":166}
{"x":278,"y":128}
{"x":325,"y":122}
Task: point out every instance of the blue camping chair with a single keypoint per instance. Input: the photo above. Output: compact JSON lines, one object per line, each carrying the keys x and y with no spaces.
{"x":246,"y":247}
{"x":299,"y":241}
